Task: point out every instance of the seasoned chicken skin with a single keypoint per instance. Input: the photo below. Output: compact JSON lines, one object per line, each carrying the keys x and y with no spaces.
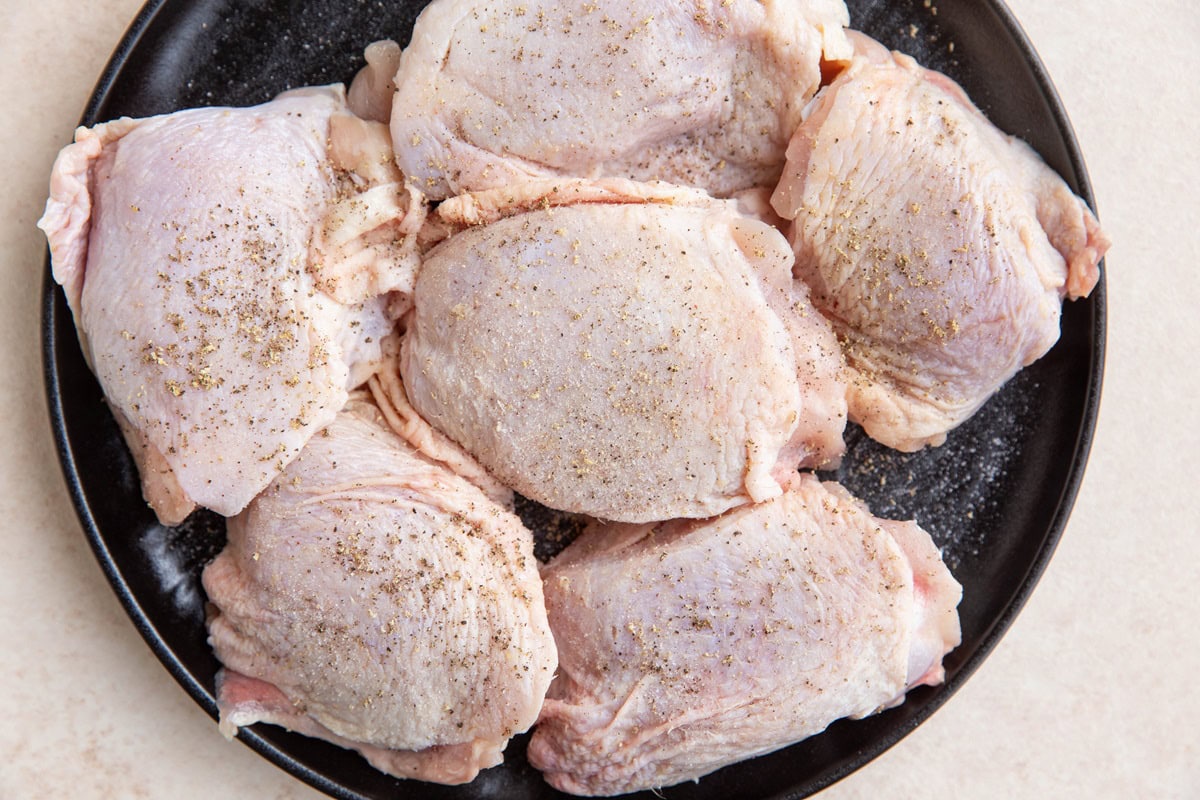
{"x":373,"y":598}
{"x":701,"y":94}
{"x":688,"y":645}
{"x":622,"y":350}
{"x":388,"y":391}
{"x":226,"y":273}
{"x":940,"y":248}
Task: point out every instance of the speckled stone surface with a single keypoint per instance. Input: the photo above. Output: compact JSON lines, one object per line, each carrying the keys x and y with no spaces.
{"x":1086,"y":696}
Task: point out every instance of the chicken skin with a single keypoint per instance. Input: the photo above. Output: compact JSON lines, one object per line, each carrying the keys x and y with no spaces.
{"x":688,"y":645}
{"x":227,"y":274}
{"x":940,"y":248}
{"x":699,"y":94}
{"x":626,"y":351}
{"x":373,"y":598}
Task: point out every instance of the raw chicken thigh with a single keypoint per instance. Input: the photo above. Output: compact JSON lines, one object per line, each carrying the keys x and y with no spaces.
{"x":701,"y":94}
{"x":626,"y":351}
{"x":940,"y":248}
{"x":686,"y":646}
{"x":225,"y":271}
{"x":373,"y":598}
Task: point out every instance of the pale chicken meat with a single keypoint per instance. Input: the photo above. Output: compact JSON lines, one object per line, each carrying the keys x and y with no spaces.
{"x":627,"y":351}
{"x":373,"y":598}
{"x":940,"y":248}
{"x":228,"y":270}
{"x":701,"y":94}
{"x":371,"y":91}
{"x":688,"y":645}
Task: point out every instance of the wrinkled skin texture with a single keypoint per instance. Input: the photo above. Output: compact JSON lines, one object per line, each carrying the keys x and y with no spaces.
{"x":628,"y":354}
{"x":246,"y":701}
{"x":940,"y":248}
{"x":375,"y":599}
{"x":221,"y":340}
{"x":387,"y":389}
{"x":700,"y":94}
{"x":686,"y":646}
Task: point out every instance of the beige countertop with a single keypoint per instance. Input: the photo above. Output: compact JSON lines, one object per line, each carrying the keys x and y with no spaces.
{"x":1092,"y":692}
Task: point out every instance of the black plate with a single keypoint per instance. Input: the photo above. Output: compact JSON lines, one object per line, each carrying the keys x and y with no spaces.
{"x":996,"y":496}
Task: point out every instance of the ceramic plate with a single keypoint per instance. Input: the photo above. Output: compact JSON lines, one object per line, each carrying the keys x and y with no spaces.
{"x":996,"y":496}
